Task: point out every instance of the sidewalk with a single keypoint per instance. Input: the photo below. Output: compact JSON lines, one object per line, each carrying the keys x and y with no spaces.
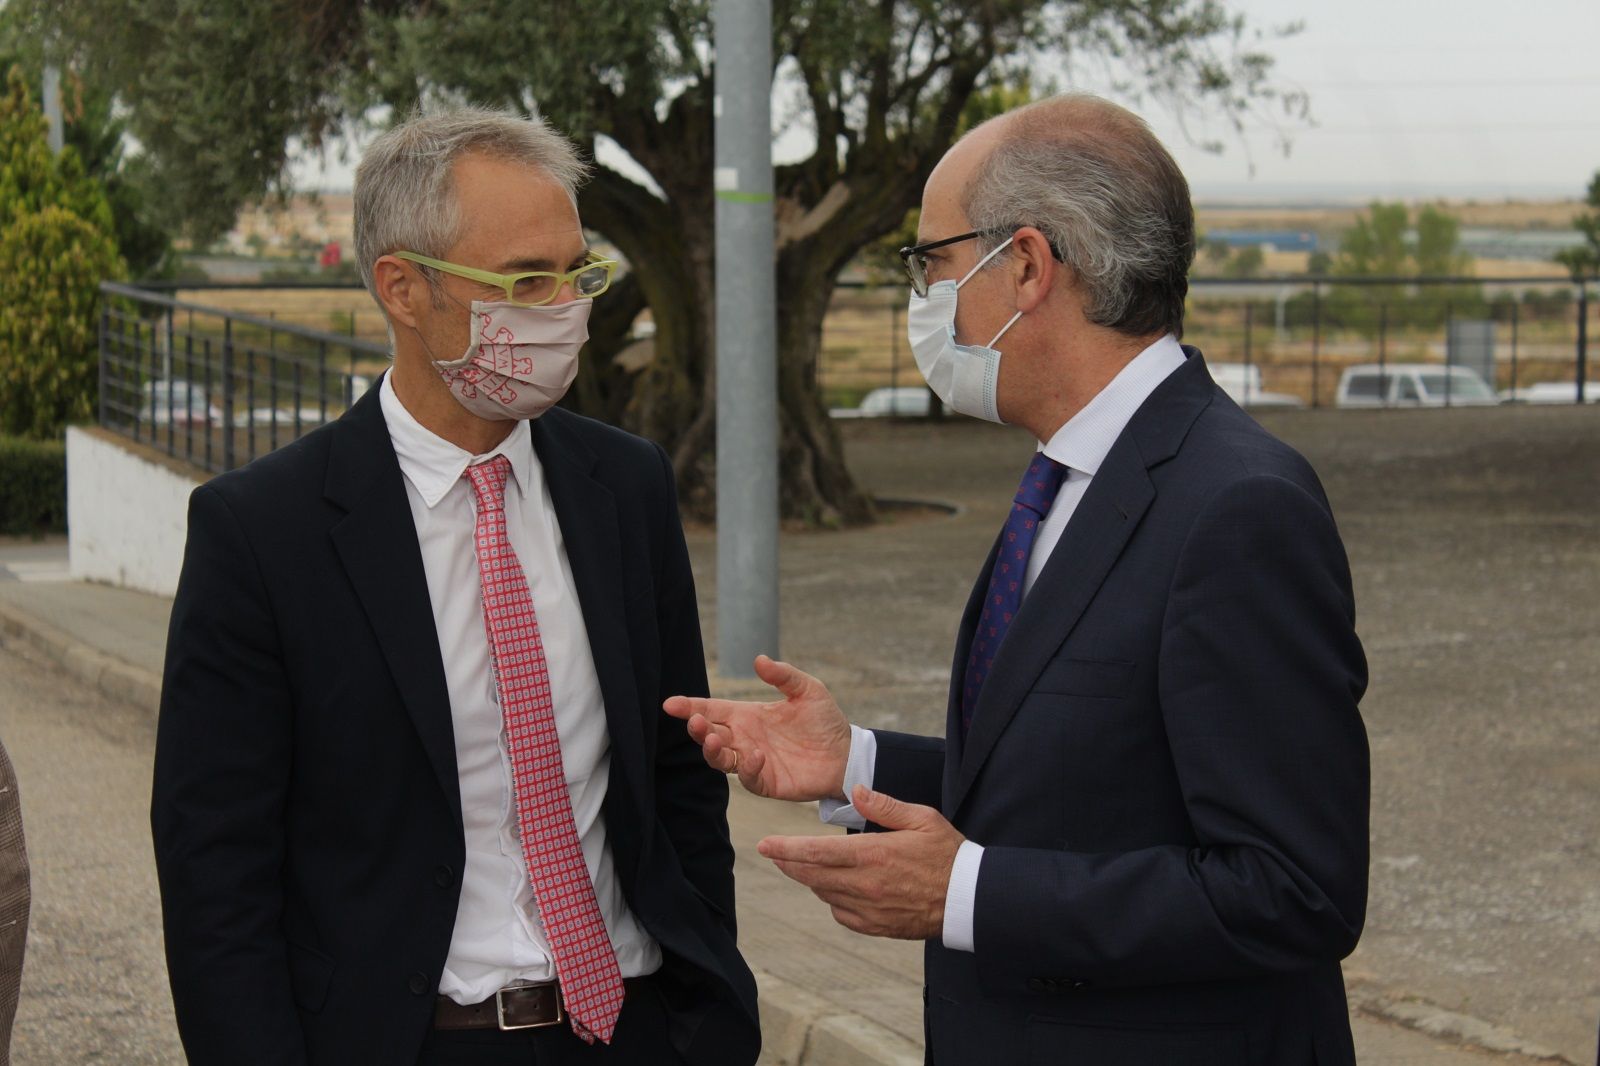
{"x":829,"y":997}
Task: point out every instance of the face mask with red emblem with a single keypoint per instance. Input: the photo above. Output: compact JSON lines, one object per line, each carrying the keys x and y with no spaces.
{"x":520,"y":361}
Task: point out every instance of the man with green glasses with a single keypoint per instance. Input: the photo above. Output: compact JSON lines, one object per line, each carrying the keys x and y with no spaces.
{"x":415,"y":800}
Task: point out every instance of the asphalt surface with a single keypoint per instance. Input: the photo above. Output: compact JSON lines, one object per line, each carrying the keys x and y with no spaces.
{"x":94,"y":986}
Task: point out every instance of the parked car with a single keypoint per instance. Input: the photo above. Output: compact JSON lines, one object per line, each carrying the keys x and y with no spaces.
{"x":1413,"y":385}
{"x":906,"y":400}
{"x":178,"y":402}
{"x":261,"y":417}
{"x":1242,"y":383}
{"x":1553,"y":392}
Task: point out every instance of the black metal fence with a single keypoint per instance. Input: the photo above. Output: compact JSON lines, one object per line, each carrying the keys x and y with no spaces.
{"x":218,"y":388}
{"x":1290,"y":341}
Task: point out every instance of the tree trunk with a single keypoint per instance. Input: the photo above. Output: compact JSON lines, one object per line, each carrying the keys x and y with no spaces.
{"x":673,"y":398}
{"x":817,"y":486}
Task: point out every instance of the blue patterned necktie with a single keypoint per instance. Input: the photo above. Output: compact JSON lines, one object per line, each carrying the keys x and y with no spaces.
{"x":1034,"y":497}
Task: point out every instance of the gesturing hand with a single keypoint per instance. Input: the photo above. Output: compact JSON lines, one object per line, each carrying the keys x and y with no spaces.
{"x":791,"y":749}
{"x":890,"y":884}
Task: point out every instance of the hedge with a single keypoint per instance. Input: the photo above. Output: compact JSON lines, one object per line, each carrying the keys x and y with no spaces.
{"x":33,"y":486}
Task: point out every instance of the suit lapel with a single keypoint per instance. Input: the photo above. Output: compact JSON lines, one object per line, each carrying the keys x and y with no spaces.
{"x":377,"y":543}
{"x":587,"y":513}
{"x":1117,"y":499}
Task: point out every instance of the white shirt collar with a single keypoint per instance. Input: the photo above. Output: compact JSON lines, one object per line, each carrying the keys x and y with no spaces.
{"x":433,"y":464}
{"x":1082,"y":444}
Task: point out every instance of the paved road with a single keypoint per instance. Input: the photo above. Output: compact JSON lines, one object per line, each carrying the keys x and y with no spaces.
{"x":94,"y":986}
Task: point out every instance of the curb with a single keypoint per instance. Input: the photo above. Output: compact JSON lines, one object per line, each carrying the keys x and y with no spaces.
{"x":107,"y":674}
{"x":1419,"y":1015}
{"x":801,"y":1029}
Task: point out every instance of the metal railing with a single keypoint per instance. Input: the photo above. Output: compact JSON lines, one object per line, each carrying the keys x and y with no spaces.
{"x":218,"y":388}
{"x":1288,"y":341}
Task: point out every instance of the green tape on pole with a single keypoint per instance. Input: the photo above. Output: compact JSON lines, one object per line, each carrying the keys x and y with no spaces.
{"x":744,"y":197}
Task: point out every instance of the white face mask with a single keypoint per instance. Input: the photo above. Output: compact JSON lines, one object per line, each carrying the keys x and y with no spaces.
{"x":964,"y":376}
{"x":520,"y":361}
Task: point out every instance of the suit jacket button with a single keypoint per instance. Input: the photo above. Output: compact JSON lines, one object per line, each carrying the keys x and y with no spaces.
{"x":1077,"y":984}
{"x":443,"y":876}
{"x":418,"y":984}
{"x":1038,"y":984}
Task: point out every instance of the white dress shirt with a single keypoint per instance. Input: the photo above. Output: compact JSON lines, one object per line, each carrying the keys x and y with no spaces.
{"x":498,"y":938}
{"x":1081,"y":445}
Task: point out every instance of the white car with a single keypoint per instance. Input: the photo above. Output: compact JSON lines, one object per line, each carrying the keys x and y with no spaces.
{"x":1242,"y":383}
{"x":1413,"y":385}
{"x":262,"y":417}
{"x":178,"y":402}
{"x":906,"y":400}
{"x":1553,"y":392}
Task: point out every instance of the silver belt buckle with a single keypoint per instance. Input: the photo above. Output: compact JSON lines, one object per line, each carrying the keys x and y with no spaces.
{"x":500,"y":1009}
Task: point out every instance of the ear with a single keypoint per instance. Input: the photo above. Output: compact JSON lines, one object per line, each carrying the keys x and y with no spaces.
{"x":1037,"y":270}
{"x":399,"y":289}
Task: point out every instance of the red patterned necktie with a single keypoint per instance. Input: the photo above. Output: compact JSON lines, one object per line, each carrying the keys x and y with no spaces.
{"x":586,"y":963}
{"x":1035,"y":495}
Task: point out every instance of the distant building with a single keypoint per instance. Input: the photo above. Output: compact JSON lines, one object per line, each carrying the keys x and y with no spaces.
{"x":1482,"y":242}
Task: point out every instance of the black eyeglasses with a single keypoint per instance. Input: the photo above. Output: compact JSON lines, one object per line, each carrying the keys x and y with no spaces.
{"x":915,"y":257}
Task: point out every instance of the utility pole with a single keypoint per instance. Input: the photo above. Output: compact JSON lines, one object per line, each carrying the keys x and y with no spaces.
{"x":52,"y":106}
{"x":746,"y":365}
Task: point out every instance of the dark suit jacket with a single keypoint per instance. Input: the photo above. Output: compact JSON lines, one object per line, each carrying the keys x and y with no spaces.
{"x":306,"y":810}
{"x":1166,"y":767}
{"x":15,"y":897}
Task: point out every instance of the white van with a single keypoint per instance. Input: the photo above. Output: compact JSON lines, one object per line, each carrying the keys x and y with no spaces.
{"x":1242,"y":383}
{"x":1413,"y":385}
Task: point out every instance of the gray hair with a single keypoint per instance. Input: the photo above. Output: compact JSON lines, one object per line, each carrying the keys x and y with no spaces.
{"x":1109,"y":197}
{"x":404,"y":197}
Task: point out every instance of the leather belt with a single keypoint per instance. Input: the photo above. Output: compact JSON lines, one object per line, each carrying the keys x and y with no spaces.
{"x":513,"y":1008}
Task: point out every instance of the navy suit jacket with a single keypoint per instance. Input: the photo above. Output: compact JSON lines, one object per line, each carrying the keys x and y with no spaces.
{"x":1166,"y":767}
{"x":307,"y":810}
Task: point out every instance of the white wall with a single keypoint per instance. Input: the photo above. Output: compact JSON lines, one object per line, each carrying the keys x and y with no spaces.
{"x":127,"y":515}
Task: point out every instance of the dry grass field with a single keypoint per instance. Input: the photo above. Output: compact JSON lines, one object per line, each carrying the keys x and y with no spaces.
{"x":864,"y":345}
{"x":1508,"y":214}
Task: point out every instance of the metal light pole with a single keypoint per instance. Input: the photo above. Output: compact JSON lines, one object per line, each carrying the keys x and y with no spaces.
{"x":52,"y":106}
{"x":746,"y":365}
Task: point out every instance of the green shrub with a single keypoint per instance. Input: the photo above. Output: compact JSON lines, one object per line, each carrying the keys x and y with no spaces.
{"x":51,"y":265}
{"x":33,"y":486}
{"x":56,"y":247}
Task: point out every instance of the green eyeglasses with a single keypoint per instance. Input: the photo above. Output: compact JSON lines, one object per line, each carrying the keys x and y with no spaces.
{"x":536,"y":287}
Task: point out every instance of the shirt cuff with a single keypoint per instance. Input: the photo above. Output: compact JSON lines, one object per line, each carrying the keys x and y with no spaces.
{"x":961,"y":897}
{"x":859,"y":769}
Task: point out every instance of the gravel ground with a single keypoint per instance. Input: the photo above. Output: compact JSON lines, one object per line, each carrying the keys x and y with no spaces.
{"x":1475,"y":541}
{"x":1474,"y":538}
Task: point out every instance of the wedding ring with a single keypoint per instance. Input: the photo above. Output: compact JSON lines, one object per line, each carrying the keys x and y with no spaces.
{"x":735,"y":768}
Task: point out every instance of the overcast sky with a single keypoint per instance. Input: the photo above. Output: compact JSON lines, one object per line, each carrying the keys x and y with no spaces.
{"x":1469,"y":97}
{"x":1409,"y":98}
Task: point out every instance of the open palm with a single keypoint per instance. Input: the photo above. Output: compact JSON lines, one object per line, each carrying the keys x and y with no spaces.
{"x":794,"y":748}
